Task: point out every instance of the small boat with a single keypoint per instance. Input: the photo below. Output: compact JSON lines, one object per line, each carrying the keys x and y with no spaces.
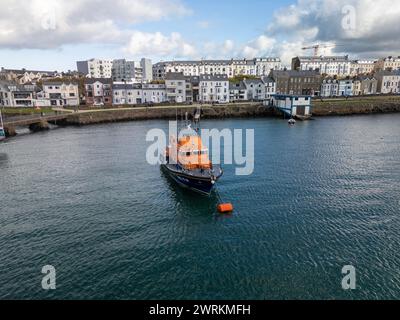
{"x":2,"y":132}
{"x":292,"y":122}
{"x":187,"y":162}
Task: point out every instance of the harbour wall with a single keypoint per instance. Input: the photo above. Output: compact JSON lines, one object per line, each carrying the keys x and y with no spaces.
{"x":329,"y":107}
{"x":356,"y":105}
{"x":171,"y":112}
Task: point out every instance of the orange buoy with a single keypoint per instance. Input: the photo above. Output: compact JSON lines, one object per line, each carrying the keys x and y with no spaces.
{"x":225,"y":208}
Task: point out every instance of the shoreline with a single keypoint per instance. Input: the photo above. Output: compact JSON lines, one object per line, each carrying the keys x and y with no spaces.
{"x":334,"y":107}
{"x":320,"y":108}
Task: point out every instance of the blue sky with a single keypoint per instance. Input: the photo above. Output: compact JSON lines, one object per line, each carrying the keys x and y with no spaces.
{"x":55,"y":34}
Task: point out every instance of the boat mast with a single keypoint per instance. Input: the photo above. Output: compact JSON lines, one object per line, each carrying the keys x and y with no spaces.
{"x":1,"y":121}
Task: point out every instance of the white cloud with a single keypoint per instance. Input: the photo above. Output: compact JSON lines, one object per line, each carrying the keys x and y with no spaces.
{"x":203,"y":24}
{"x":146,"y":44}
{"x":53,"y":23}
{"x":373,"y":31}
{"x":262,"y":46}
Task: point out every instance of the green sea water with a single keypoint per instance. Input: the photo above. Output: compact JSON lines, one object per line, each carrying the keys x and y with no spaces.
{"x":324,"y":194}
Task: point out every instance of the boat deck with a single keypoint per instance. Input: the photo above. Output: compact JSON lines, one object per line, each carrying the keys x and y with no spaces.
{"x":197,"y":173}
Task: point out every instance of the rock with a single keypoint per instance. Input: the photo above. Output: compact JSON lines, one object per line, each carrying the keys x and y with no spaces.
{"x":10,"y":131}
{"x":40,"y":126}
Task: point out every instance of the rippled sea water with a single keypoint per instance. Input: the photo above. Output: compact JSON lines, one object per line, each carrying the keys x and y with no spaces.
{"x":324,"y":194}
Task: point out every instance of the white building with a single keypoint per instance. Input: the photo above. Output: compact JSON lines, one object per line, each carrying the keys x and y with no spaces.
{"x":293,"y":105}
{"x":16,"y":95}
{"x":147,"y":70}
{"x":175,"y":84}
{"x":388,"y":64}
{"x":95,"y":68}
{"x":154,"y":93}
{"x":123,"y":70}
{"x":230,"y":68}
{"x":127,"y":94}
{"x":329,"y":87}
{"x":255,"y":89}
{"x":345,"y":87}
{"x":359,"y":67}
{"x":329,"y":65}
{"x":60,"y":94}
{"x":237,"y":91}
{"x":214,"y":88}
{"x":388,"y":82}
{"x":270,"y":87}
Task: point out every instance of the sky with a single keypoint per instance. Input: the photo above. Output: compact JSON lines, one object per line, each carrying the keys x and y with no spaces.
{"x":54,"y":34}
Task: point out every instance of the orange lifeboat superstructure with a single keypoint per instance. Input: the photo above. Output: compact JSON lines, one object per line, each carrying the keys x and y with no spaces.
{"x":187,"y":162}
{"x":190,"y":153}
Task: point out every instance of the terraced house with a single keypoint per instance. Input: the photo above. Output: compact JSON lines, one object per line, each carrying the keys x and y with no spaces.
{"x":330,"y":65}
{"x":388,"y":82}
{"x":230,"y":68}
{"x":127,"y":93}
{"x":60,"y":94}
{"x":17,"y":95}
{"x":98,"y":92}
{"x":214,"y":88}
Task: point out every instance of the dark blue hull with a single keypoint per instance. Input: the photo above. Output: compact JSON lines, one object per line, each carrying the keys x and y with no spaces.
{"x":197,"y":184}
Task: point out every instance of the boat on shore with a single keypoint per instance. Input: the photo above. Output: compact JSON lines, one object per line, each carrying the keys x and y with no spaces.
{"x":186,"y":160}
{"x":2,"y":132}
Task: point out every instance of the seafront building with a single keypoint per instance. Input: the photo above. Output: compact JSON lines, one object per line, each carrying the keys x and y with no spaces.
{"x":359,"y":67}
{"x":230,"y":68}
{"x":124,"y":82}
{"x":329,"y":87}
{"x":98,"y":91}
{"x":345,"y":87}
{"x":294,"y":82}
{"x":255,"y":89}
{"x":388,"y":82}
{"x":59,"y":94}
{"x":328,"y":65}
{"x":365,"y":85}
{"x":175,"y":84}
{"x":214,"y":88}
{"x":17,"y":95}
{"x":388,"y":64}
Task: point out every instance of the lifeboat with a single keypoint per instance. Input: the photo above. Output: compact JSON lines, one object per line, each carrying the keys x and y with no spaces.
{"x":187,"y":162}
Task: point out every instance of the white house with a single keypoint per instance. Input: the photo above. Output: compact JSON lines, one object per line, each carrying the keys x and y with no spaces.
{"x":388,"y":64}
{"x":154,"y":93}
{"x":214,"y":88}
{"x":175,"y":84}
{"x":255,"y":89}
{"x":388,"y":82}
{"x":270,"y":87}
{"x":16,"y":95}
{"x":60,"y":94}
{"x":237,"y":91}
{"x":127,"y":94}
{"x":345,"y":87}
{"x":329,"y":87}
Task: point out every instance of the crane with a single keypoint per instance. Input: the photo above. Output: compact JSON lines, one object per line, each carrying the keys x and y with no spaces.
{"x":317,"y":47}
